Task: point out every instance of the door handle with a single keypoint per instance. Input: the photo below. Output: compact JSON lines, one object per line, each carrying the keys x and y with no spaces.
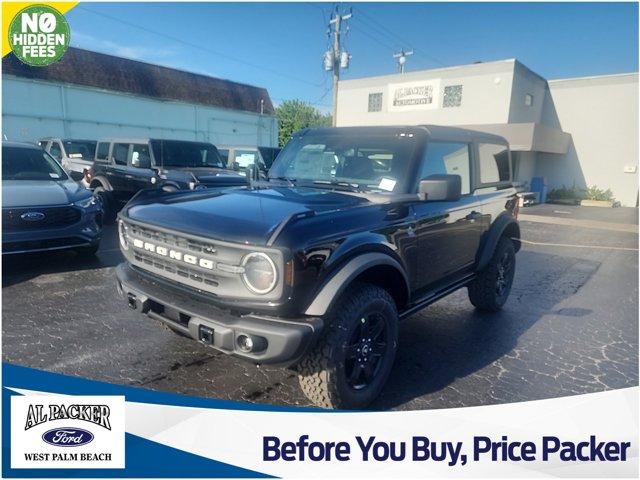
{"x":128,"y":176}
{"x":473,"y":216}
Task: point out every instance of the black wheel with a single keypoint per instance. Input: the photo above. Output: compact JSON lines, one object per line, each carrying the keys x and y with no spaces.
{"x":491,"y":288}
{"x":88,"y":251}
{"x":351,"y":362}
{"x":109,"y":212}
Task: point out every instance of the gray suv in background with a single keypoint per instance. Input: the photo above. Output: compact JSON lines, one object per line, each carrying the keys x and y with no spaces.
{"x":123,"y":167}
{"x":74,"y":155}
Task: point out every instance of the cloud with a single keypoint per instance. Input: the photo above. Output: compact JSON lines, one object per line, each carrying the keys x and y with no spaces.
{"x":134,"y":52}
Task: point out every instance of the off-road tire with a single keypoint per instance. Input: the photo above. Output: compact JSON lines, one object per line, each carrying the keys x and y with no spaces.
{"x":321,"y":372}
{"x":483,"y":290}
{"x":108,"y":210}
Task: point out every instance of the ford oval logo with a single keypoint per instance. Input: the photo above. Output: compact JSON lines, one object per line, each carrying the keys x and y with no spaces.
{"x":67,"y":437}
{"x":32,"y":216}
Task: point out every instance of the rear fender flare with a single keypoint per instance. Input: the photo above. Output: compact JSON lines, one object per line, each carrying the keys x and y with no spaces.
{"x":342,"y":278}
{"x":504,"y":223}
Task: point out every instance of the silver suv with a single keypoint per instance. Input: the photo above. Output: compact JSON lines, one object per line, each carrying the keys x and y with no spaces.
{"x":75,"y":156}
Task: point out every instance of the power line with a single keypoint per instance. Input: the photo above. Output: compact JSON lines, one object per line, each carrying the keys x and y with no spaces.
{"x":378,"y":41}
{"x":200,"y":47}
{"x":390,"y":34}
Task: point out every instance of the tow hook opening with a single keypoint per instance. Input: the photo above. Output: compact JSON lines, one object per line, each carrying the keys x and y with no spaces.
{"x":132,"y":301}
{"x":205,"y":335}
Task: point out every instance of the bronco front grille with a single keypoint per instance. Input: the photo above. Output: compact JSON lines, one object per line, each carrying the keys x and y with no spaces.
{"x":210,"y":266}
{"x":176,"y":269}
{"x":34,"y":218}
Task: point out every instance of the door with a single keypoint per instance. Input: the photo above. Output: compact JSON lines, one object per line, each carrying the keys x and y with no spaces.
{"x":139,"y":173}
{"x":448,"y":232}
{"x":117,"y":172}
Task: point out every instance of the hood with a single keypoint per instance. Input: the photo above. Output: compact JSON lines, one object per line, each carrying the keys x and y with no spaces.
{"x":242,"y":215}
{"x":40,"y":193}
{"x":207,"y":176}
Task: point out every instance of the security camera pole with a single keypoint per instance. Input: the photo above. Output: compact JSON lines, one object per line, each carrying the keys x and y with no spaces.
{"x":336,"y":59}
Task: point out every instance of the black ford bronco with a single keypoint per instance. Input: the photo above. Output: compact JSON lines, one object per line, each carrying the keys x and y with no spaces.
{"x":123,"y":167}
{"x":354,"y":230}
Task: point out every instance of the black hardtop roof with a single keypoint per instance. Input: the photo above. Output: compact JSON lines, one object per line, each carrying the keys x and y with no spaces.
{"x":20,"y":145}
{"x":432,"y":132}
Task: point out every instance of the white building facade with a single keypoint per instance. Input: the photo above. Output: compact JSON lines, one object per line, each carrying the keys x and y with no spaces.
{"x":576,"y":132}
{"x":89,"y":95}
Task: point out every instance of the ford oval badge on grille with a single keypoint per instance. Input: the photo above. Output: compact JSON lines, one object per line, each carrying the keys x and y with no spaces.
{"x":67,"y":437}
{"x":32,"y":216}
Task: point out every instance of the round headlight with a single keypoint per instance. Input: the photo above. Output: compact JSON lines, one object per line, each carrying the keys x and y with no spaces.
{"x":122,"y":234}
{"x":260,"y":275}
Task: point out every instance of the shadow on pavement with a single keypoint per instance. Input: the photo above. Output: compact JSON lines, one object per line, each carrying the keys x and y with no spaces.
{"x":449,"y":340}
{"x":24,"y":267}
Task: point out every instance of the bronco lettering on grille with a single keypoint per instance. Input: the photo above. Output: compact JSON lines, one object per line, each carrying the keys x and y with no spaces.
{"x":173,"y":254}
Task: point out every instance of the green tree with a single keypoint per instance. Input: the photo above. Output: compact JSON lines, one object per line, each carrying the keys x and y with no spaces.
{"x":294,"y":115}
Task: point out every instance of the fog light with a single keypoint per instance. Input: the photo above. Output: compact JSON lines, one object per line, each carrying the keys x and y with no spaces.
{"x":245,"y":343}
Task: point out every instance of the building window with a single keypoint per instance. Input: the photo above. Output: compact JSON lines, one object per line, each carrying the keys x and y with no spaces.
{"x":452,"y":96}
{"x":375,"y":102}
{"x":528,"y":100}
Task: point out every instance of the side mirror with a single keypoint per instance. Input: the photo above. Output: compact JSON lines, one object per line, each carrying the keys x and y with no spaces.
{"x":141,"y":162}
{"x":441,"y":187}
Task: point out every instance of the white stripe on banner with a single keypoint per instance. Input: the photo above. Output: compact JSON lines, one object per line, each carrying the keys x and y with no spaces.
{"x":236,"y":436}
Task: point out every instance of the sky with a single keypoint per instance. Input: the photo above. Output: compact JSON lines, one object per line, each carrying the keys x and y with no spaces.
{"x":280,"y":46}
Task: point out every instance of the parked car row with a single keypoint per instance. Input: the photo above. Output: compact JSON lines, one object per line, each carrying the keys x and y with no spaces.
{"x":59,"y":195}
{"x":76,"y":155}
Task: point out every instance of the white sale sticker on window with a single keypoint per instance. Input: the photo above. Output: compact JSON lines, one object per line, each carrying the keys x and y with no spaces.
{"x":387,"y":184}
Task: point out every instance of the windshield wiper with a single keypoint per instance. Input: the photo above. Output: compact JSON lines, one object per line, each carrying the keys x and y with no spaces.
{"x":290,"y":181}
{"x":352,"y":187}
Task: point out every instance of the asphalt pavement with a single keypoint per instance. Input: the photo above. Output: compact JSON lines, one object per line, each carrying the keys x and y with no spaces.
{"x":569,"y":327}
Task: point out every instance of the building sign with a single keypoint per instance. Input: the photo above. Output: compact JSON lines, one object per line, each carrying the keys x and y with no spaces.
{"x":421,"y":95}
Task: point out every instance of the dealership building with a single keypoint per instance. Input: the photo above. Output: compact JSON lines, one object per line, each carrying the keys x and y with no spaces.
{"x":89,"y":95}
{"x":572,"y":132}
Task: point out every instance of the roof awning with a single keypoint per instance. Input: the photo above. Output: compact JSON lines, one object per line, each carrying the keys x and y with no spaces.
{"x":528,"y":137}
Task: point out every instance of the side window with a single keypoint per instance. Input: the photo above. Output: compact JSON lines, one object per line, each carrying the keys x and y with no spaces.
{"x":120,"y":153}
{"x":494,"y":163}
{"x":56,"y":151}
{"x":102,"y":152}
{"x":448,"y":158}
{"x":224,"y":154}
{"x":140,"y":155}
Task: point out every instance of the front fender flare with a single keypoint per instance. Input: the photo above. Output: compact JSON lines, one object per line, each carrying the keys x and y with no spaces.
{"x":503,"y":222}
{"x":341,"y":279}
{"x":103,"y":182}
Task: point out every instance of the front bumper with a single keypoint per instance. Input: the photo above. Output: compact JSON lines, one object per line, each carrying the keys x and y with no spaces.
{"x":277,"y":340}
{"x":85,"y":233}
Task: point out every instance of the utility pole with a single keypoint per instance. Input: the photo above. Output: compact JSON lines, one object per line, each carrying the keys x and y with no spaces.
{"x":402,"y":59}
{"x":336,"y":59}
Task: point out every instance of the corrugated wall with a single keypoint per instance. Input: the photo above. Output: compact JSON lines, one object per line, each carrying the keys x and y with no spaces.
{"x":35,"y":109}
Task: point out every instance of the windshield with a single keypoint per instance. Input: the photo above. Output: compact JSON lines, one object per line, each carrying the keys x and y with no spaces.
{"x":80,"y":148}
{"x":377,"y":161}
{"x":178,"y":154}
{"x":19,"y":163}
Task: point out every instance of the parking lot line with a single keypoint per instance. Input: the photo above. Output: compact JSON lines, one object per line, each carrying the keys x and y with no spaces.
{"x":568,"y":245}
{"x":573,"y":222}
